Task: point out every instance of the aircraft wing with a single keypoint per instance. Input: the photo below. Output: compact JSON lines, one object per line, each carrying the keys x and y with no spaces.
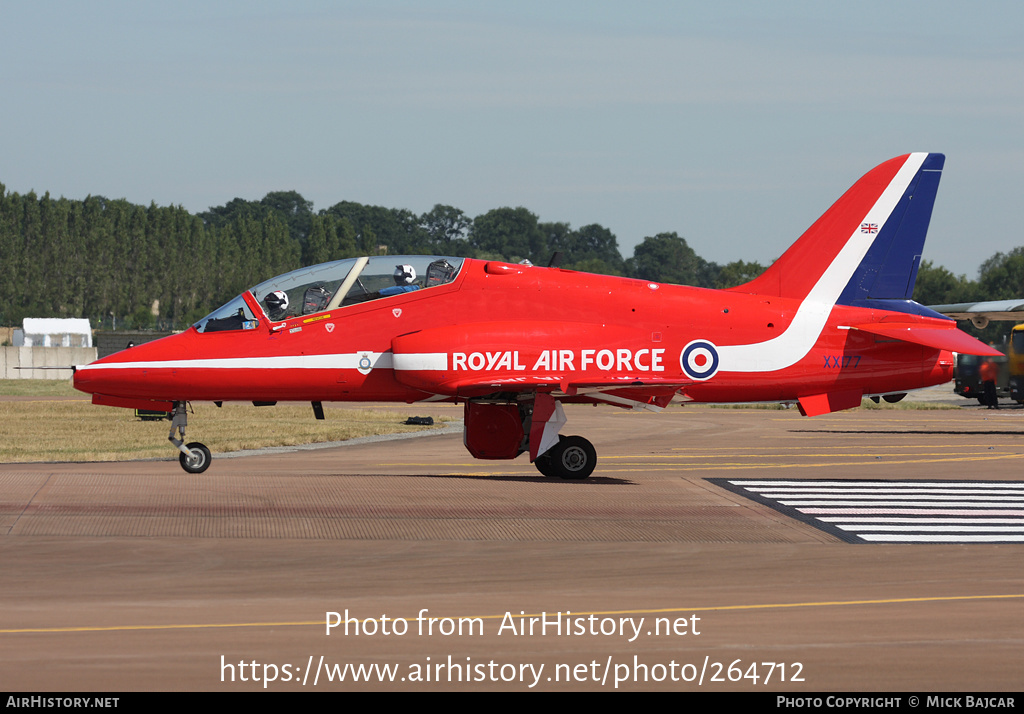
{"x":457,"y":361}
{"x":652,"y":394}
{"x":647,"y":393}
{"x":984,"y":311}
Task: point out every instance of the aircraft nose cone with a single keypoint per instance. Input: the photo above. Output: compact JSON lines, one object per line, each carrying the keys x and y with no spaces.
{"x":93,"y":379}
{"x":128,"y":372}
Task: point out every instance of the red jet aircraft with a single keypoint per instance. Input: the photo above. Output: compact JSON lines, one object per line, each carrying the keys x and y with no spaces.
{"x":829,"y":323}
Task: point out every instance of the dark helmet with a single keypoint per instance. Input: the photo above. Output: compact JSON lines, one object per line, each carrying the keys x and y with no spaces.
{"x":315,"y":299}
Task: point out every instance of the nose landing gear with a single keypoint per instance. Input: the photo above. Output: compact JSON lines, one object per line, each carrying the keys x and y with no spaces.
{"x":195,"y":457}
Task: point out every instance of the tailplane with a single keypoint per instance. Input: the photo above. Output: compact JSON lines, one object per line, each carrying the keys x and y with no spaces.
{"x":868,"y":245}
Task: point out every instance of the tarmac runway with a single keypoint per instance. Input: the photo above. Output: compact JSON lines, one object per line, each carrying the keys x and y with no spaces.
{"x":137,"y":576}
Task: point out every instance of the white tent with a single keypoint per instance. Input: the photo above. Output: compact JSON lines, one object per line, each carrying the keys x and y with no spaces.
{"x":54,"y":332}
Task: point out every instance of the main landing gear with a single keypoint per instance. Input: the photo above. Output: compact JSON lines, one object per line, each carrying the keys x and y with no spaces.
{"x":195,"y":457}
{"x":572,"y":458}
{"x":505,"y":429}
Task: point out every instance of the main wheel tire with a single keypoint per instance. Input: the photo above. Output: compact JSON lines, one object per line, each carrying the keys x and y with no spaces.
{"x":573,"y":458}
{"x":198,"y":459}
{"x":545,"y":465}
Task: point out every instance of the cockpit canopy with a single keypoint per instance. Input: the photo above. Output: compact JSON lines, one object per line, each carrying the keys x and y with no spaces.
{"x":330,"y":286}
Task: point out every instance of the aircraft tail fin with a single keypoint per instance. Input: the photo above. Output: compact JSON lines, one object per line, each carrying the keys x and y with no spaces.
{"x":868,"y":245}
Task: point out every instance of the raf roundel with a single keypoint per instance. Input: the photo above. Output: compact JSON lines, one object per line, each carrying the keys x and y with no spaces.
{"x":699,"y":360}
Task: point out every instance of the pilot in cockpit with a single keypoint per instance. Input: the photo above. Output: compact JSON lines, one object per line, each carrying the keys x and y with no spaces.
{"x":405,"y":281}
{"x":315,"y":299}
{"x":276,"y":304}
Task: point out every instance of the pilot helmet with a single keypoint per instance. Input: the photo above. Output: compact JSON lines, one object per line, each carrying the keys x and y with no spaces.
{"x":405,"y":275}
{"x":276,"y":302}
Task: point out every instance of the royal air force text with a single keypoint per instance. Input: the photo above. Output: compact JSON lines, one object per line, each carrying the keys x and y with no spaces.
{"x":622,"y":360}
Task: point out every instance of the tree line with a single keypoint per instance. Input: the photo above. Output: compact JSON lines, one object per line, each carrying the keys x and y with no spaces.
{"x":127,"y":265}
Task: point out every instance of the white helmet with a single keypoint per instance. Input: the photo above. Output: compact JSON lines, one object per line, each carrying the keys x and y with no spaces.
{"x":276,"y":302}
{"x":405,"y":275}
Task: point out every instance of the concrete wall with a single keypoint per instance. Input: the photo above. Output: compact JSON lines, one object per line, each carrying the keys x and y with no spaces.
{"x":108,"y":342}
{"x":13,"y":357}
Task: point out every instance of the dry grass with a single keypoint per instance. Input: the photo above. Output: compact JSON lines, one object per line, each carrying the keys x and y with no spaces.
{"x":773,"y":406}
{"x":57,"y":430}
{"x":38,"y":388}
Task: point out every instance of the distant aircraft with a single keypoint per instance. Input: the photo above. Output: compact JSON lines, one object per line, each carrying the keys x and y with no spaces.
{"x":829,"y":322}
{"x":981,"y":313}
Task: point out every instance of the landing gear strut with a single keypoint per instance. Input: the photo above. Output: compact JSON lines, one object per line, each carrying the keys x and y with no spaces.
{"x":569,"y":457}
{"x":195,"y":457}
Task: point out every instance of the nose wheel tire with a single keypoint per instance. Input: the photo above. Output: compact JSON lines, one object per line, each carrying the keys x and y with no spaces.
{"x":573,"y":458}
{"x":198,"y":459}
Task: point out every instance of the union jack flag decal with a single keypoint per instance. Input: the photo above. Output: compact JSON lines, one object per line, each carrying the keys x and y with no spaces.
{"x":869,"y":228}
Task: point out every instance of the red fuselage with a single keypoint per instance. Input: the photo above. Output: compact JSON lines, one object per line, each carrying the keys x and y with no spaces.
{"x":500,"y":327}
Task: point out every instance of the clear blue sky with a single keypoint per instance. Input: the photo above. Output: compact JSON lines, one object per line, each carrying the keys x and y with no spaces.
{"x":733,"y":124}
